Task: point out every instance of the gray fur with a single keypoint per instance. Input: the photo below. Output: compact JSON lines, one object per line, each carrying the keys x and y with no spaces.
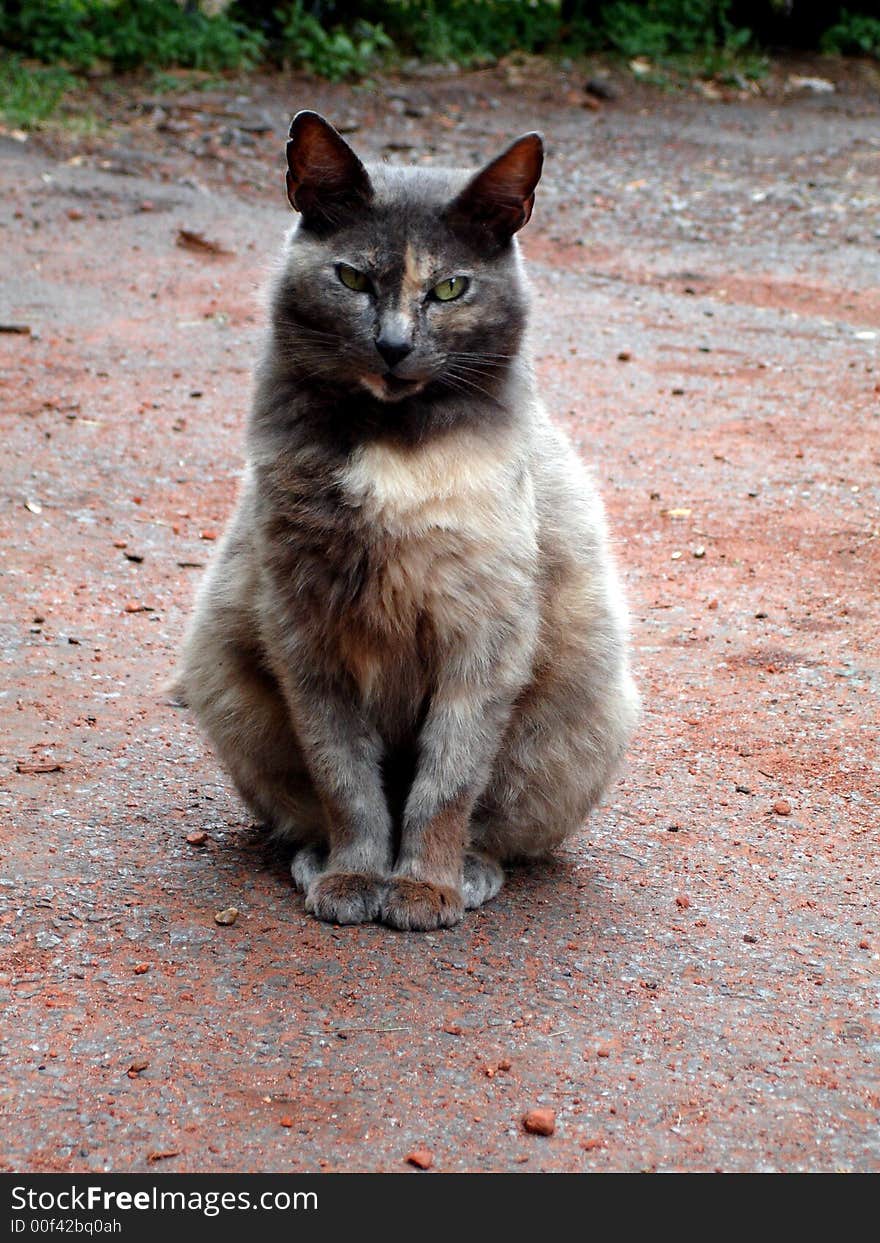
{"x":411,"y":642}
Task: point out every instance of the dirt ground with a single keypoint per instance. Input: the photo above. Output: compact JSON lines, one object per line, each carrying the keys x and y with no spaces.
{"x":693,"y":983}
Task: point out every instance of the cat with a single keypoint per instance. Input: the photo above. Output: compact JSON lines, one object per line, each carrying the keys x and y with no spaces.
{"x":410,"y":649}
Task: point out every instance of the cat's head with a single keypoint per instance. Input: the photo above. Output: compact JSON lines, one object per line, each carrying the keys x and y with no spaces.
{"x":400,"y":279}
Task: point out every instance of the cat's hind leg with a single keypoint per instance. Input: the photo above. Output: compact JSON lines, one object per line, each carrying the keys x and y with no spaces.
{"x":240,"y":707}
{"x":560,"y":753}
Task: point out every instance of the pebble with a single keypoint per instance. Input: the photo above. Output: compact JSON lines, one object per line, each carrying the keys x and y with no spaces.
{"x":421,"y":1158}
{"x":286,"y":1121}
{"x":226,"y":917}
{"x":782,"y":807}
{"x":141,"y":968}
{"x":682,"y":902}
{"x":539,"y":1121}
{"x":197,"y":837}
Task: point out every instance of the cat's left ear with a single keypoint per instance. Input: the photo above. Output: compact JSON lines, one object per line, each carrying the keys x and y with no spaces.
{"x":326,"y":181}
{"x":498,"y":201}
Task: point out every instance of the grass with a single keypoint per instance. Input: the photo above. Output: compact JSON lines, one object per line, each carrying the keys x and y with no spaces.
{"x":30,"y":93}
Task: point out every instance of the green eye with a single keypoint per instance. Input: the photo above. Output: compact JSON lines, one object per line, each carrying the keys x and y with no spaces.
{"x":452,"y":287}
{"x":353,"y":279}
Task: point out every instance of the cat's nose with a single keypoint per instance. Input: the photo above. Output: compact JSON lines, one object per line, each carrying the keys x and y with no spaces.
{"x":393,"y":350}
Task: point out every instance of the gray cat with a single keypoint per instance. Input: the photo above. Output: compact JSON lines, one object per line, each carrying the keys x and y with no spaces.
{"x":410,"y":650}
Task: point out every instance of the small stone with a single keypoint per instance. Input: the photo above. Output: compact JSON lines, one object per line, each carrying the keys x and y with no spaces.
{"x":197,"y":837}
{"x":226,"y":917}
{"x":141,"y":968}
{"x":750,"y":938}
{"x":590,"y":1145}
{"x":743,"y":789}
{"x":603,"y":1052}
{"x":624,"y":356}
{"x":782,"y":807}
{"x":285,"y":1121}
{"x":682,"y":902}
{"x":863,"y":945}
{"x":421,"y":1158}
{"x":539,"y":1121}
{"x":137,"y":1066}
{"x":699,"y":552}
{"x":208,"y":535}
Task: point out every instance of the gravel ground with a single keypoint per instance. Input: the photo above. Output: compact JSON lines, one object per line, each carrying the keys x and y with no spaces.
{"x":692,"y":983}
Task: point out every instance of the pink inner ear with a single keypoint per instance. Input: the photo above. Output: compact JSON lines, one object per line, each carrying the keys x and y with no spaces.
{"x":321,"y":166}
{"x":499,"y":199}
{"x":512,"y":177}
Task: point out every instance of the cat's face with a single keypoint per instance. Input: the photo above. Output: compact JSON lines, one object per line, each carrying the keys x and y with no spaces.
{"x":399,"y":279}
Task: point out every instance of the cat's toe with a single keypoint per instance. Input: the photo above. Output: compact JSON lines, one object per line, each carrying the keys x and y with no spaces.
{"x":345,"y":897}
{"x":482,"y":879}
{"x":416,"y":906}
{"x":307,"y":864}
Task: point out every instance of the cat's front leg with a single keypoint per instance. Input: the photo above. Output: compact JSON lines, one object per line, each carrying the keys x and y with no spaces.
{"x":458,"y":741}
{"x":343,"y":753}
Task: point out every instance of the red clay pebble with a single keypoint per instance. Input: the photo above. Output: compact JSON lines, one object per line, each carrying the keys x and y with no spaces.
{"x":864,"y":945}
{"x":589,"y":1145}
{"x":285,"y":1121}
{"x":227,"y":916}
{"x":141,"y":968}
{"x":196,"y":837}
{"x":539,"y":1121}
{"x":421,"y":1158}
{"x":782,"y":807}
{"x":682,"y":902}
{"x":209,"y":535}
{"x":137,"y":1066}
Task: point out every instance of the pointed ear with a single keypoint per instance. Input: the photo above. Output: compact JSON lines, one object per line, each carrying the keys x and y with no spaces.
{"x":325,"y":179}
{"x":498,"y":201}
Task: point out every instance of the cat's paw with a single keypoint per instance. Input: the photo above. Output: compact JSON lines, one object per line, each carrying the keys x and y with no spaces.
{"x":345,"y":897}
{"x":482,"y":879}
{"x":416,"y":906}
{"x":307,"y":864}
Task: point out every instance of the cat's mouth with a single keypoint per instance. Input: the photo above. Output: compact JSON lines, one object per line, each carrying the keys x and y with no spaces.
{"x":389,"y":387}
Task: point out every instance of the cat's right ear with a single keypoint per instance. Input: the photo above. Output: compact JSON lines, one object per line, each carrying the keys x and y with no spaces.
{"x":326,"y":181}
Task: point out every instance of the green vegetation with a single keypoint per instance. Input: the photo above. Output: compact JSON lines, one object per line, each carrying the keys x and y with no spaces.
{"x":29,"y":95}
{"x":335,"y":53}
{"x":126,"y":34}
{"x":44,"y":42}
{"x":854,"y":34}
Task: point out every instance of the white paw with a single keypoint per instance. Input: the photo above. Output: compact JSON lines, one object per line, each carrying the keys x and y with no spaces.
{"x":482,"y":879}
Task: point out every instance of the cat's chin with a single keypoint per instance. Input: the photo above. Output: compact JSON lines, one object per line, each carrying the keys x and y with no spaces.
{"x":389,"y":387}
